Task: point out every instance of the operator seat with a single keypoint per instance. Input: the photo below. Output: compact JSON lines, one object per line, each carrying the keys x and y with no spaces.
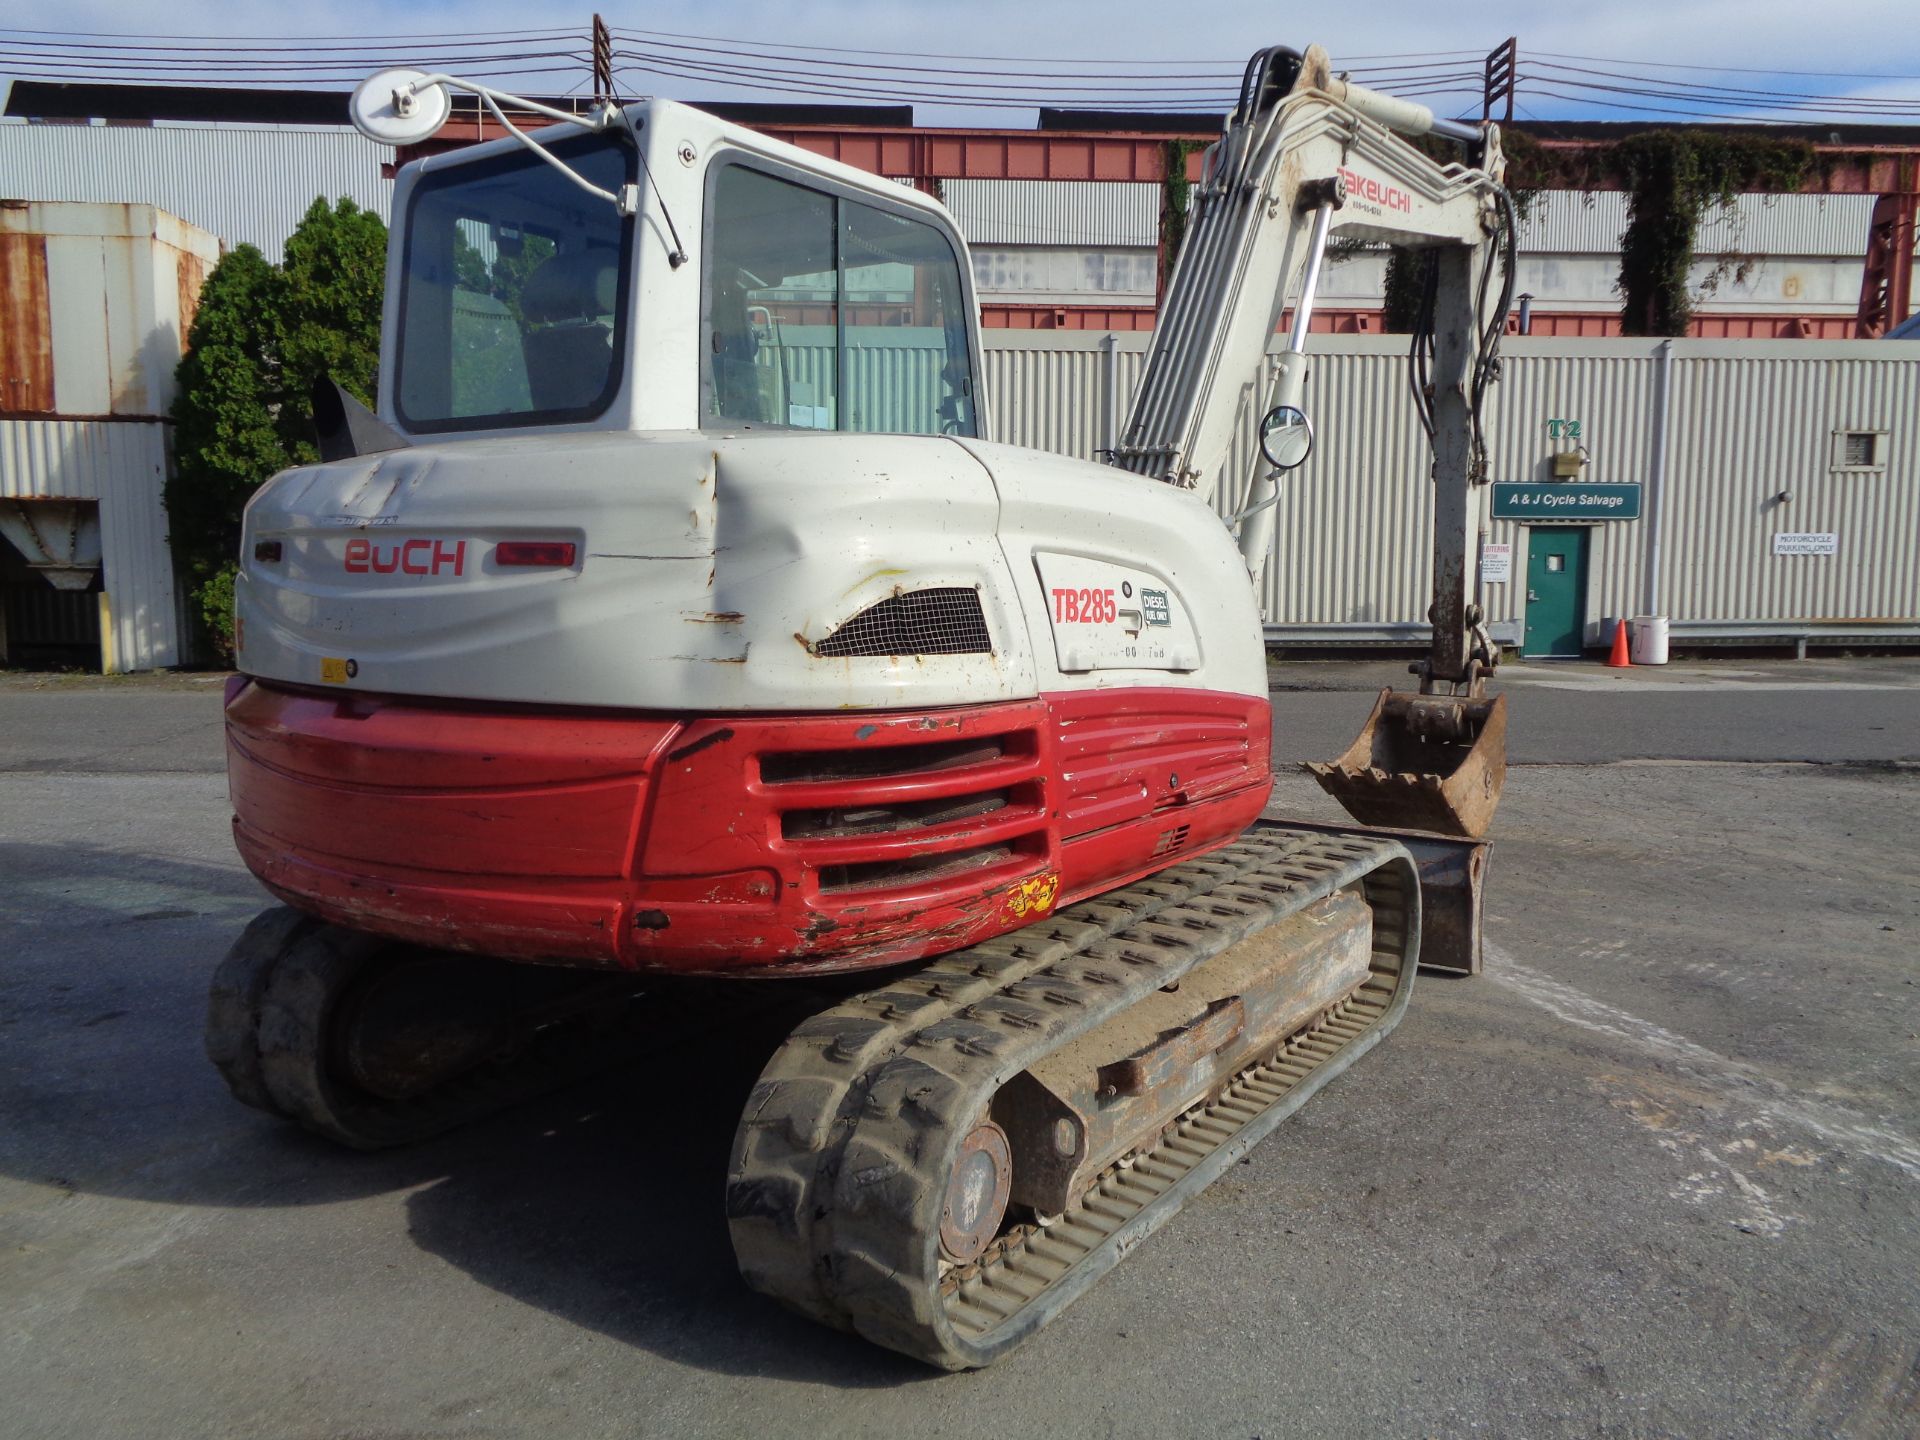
{"x":567,"y":310}
{"x":739,"y":384}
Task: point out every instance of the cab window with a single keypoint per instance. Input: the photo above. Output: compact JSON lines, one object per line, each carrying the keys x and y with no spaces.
{"x":513,"y":291}
{"x":825,"y":313}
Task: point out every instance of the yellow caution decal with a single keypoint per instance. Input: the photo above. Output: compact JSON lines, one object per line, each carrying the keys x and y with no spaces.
{"x":337,"y":671}
{"x":1031,"y":899}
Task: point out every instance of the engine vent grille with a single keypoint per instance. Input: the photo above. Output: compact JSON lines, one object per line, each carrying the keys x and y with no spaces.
{"x":921,"y":869}
{"x":945,"y":621}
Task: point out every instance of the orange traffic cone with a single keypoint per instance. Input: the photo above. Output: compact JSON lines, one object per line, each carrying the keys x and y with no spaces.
{"x":1618,"y":659}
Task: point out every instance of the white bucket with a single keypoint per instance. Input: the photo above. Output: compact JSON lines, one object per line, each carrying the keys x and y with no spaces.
{"x":1647,"y":639}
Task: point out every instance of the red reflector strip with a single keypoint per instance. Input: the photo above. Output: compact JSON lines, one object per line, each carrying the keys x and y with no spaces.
{"x":534,"y":552}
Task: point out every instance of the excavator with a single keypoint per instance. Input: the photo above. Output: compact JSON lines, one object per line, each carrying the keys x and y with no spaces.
{"x":671,"y":623}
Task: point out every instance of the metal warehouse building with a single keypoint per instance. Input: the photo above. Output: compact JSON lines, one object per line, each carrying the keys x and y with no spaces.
{"x":1749,"y":490}
{"x":1047,"y":253}
{"x":1766,"y":490}
{"x":97,"y":302}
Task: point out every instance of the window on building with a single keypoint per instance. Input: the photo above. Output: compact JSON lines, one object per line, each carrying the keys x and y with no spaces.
{"x":824,"y":313}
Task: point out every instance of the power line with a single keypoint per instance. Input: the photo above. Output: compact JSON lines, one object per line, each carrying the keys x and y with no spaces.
{"x":1723,"y":69}
{"x":190,"y":50}
{"x":777,"y":73}
{"x":1235,"y":67}
{"x":304,"y":41}
{"x":715,"y":76}
{"x":1564,"y":75}
{"x":1668,"y":110}
{"x":754,"y":50}
{"x":885,"y":76}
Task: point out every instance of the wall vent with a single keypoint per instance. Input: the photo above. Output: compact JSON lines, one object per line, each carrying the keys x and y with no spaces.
{"x":1859,"y":450}
{"x":944,"y":621}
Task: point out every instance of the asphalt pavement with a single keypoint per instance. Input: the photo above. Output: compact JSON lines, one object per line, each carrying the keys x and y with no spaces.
{"x":1657,"y":1172}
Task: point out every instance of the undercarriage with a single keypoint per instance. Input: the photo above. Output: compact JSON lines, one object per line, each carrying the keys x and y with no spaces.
{"x":941,"y":1162}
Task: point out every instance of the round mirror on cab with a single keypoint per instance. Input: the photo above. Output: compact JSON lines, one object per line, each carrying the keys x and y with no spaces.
{"x":1286,"y":437}
{"x":392,"y":107}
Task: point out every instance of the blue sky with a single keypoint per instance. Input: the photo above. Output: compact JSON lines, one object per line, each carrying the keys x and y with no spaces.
{"x":1859,"y":39}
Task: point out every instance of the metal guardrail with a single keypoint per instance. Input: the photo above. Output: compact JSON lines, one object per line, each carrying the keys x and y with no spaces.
{"x":1800,"y":633}
{"x":1409,"y":634}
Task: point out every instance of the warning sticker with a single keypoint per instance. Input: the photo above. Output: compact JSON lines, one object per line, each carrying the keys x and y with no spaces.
{"x":337,"y":671}
{"x":1154,"y":603}
{"x":1032,"y":897}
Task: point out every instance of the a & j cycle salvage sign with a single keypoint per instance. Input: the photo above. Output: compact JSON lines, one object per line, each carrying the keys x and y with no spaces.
{"x":1514,"y":500}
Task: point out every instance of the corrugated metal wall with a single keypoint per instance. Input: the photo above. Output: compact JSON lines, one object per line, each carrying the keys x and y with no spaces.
{"x":248,"y":185}
{"x":118,"y":284}
{"x":1748,"y":420}
{"x":1047,"y":389}
{"x":1743,"y":432}
{"x":1578,"y":221}
{"x":1054,"y":212}
{"x":122,"y":465}
{"x":1059,"y":212}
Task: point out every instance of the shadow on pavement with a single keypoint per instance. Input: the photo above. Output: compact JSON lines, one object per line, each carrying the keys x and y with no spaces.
{"x":601,"y":1204}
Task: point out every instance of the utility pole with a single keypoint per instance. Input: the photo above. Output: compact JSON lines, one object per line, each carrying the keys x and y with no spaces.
{"x":602,"y":62}
{"x":1502,"y":61}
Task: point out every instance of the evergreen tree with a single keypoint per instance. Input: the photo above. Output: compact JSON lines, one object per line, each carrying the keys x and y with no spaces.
{"x":262,"y":335}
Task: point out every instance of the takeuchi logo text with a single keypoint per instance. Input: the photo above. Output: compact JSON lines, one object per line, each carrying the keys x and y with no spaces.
{"x":408,"y":557}
{"x":1365,"y":187}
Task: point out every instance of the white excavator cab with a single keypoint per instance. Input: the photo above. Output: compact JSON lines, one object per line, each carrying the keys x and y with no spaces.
{"x":542,"y":285}
{"x":826,"y":298}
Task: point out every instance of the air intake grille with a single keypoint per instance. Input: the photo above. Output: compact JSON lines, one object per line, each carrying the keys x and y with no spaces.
{"x":922,"y":622}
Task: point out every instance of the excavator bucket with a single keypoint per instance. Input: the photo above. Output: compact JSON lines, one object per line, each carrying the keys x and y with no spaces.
{"x":1453,"y":888}
{"x":1424,"y":762}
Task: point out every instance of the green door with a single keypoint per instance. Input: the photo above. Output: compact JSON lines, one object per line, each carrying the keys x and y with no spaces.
{"x":1556,"y":589}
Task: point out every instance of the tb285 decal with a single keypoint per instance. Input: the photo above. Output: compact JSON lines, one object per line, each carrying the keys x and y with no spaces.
{"x":1098,"y":607}
{"x":1086,"y":607}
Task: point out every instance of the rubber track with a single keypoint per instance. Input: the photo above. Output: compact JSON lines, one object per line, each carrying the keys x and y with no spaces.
{"x":266,"y":1033}
{"x":839,"y":1165}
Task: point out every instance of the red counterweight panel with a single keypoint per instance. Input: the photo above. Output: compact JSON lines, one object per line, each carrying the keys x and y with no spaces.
{"x":729,"y":845}
{"x":496,"y":829}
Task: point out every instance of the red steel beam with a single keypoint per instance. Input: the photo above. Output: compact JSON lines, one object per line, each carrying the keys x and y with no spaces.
{"x":929,"y":153}
{"x":1103,"y":155}
{"x":1361,"y":320}
{"x":925,"y":153}
{"x":992,"y":154}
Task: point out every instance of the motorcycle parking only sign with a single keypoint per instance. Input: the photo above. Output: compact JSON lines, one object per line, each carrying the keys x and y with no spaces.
{"x":1805,"y":542}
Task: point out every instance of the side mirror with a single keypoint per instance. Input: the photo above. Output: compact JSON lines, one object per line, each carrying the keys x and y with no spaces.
{"x":1286,"y":437}
{"x":399,"y":107}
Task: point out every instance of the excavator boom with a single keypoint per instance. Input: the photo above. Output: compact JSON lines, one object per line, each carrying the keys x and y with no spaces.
{"x":1306,"y":156}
